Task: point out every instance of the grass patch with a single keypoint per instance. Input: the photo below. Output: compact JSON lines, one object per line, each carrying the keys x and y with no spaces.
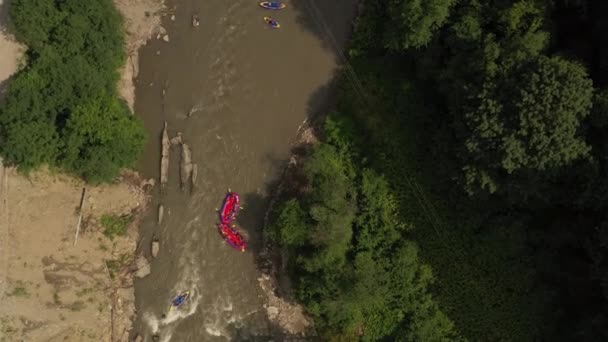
{"x":84,"y":292}
{"x":116,"y":265}
{"x":115,"y":225}
{"x":19,"y":290}
{"x":7,"y":329}
{"x":77,"y":305}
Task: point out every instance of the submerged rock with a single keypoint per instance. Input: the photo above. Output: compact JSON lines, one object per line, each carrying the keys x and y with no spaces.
{"x":142,"y":266}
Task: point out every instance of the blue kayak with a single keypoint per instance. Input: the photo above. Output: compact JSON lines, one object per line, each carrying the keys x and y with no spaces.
{"x":272,"y":5}
{"x":179,"y":300}
{"x":273,"y":23}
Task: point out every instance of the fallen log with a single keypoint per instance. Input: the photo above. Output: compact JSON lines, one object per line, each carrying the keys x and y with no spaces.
{"x":185,"y":165}
{"x":194,"y":174}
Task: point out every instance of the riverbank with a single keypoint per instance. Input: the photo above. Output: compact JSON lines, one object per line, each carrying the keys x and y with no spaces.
{"x":282,"y":309}
{"x":142,"y":20}
{"x":53,"y":287}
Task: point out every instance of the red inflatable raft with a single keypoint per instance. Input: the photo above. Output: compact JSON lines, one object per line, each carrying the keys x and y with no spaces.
{"x":230,"y":207}
{"x":233,"y":237}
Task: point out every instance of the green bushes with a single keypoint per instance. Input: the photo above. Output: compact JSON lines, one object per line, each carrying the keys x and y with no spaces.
{"x":353,"y":266}
{"x":63,"y":109}
{"x":492,"y":136}
{"x":115,"y":225}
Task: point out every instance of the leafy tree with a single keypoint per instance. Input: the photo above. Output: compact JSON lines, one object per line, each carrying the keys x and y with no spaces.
{"x":34,"y":21}
{"x":100,"y":138}
{"x":528,"y":120}
{"x":412,"y":23}
{"x":354,"y":270}
{"x":289,"y":227}
{"x":331,"y":207}
{"x":62,"y":109}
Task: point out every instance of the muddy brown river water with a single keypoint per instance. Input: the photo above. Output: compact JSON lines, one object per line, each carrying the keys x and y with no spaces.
{"x":248,"y":88}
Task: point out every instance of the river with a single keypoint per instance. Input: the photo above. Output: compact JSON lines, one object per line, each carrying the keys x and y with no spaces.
{"x":248,"y":88}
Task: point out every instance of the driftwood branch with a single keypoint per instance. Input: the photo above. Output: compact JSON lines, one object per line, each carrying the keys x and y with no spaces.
{"x":82,"y":197}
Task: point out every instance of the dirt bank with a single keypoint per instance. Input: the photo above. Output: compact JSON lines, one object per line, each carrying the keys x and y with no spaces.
{"x":141,"y":21}
{"x":55,"y":290}
{"x":10,"y":50}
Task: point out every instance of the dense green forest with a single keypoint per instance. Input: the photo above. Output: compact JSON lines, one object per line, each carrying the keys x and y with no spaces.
{"x":461,"y":188}
{"x":62,"y":109}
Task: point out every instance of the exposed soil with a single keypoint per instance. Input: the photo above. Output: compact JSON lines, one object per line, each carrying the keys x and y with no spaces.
{"x":56,"y":289}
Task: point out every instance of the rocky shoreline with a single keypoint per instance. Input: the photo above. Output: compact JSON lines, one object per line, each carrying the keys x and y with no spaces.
{"x":282,"y":309}
{"x":142,"y":21}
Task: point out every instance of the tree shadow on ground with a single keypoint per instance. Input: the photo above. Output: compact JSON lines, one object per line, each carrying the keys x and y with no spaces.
{"x":330,"y":21}
{"x":287,"y":181}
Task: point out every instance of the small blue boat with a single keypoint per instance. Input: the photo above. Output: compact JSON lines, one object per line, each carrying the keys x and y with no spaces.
{"x":179,"y":300}
{"x":272,"y":5}
{"x":273,"y":23}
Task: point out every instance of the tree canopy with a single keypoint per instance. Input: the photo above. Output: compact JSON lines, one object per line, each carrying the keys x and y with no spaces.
{"x":62,"y":109}
{"x":486,"y":120}
{"x":528,"y":119}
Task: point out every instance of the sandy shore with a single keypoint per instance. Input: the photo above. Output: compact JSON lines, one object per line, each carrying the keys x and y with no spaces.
{"x":142,"y":20}
{"x":10,"y":50}
{"x":51,"y":289}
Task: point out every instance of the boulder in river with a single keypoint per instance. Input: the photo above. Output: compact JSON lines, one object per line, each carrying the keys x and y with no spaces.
{"x":155,"y":247}
{"x":138,"y":338}
{"x":164,"y":159}
{"x":142,"y":267}
{"x":195,"y":21}
{"x":161,"y":214}
{"x":194,"y":174}
{"x":176,"y":140}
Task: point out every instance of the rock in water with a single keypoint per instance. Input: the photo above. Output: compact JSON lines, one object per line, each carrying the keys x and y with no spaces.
{"x":176,"y":140}
{"x":138,"y":338}
{"x":185,"y":165}
{"x":195,"y":21}
{"x":143,"y":267}
{"x":161,"y":214}
{"x":155,"y":247}
{"x":194,"y":174}
{"x":164,"y":159}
